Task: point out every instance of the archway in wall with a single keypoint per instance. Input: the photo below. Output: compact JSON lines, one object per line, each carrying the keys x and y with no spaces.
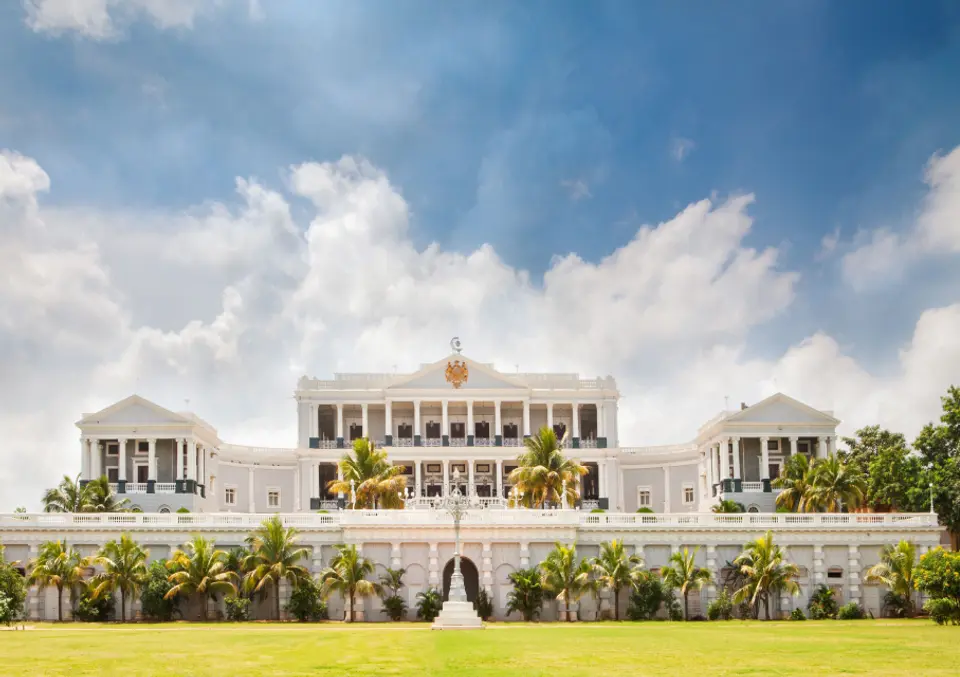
{"x":471,"y":579}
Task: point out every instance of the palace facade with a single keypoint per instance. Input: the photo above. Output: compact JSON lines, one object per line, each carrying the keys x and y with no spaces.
{"x":459,"y":423}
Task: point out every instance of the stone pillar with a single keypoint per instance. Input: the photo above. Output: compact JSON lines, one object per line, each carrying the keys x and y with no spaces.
{"x":433,"y":566}
{"x":96,"y":460}
{"x":250,"y":491}
{"x":853,"y":576}
{"x":818,"y":574}
{"x":714,"y":573}
{"x":33,"y":592}
{"x":446,"y":477}
{"x":85,"y":459}
{"x":340,"y":425}
{"x":575,"y":406}
{"x":339,"y":479}
{"x":499,"y":487}
{"x":417,"y":433}
{"x":122,"y":461}
{"x":793,"y":446}
{"x":444,"y":423}
{"x":765,"y":463}
{"x":831,"y":445}
{"x":710,"y":468}
{"x":497,"y":427}
{"x":550,"y":415}
{"x":722,"y":470}
{"x":317,"y":559}
{"x":365,"y":419}
{"x":524,"y":554}
{"x":192,"y":460}
{"x":314,"y":483}
{"x":486,"y":567}
{"x":526,"y":418}
{"x":152,"y":460}
{"x":470,"y":427}
{"x":602,"y":479}
{"x":178,"y":474}
{"x":737,"y":476}
{"x":396,"y":556}
{"x":471,"y":486}
{"x":601,"y":423}
{"x":418,"y":482}
{"x":666,"y":490}
{"x":388,"y":423}
{"x":297,"y":486}
{"x":821,"y":447}
{"x":314,"y":427}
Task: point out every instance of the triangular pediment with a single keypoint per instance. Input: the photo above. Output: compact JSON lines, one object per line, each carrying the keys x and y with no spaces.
{"x":780,"y":408}
{"x":434,"y":376}
{"x":133,"y":410}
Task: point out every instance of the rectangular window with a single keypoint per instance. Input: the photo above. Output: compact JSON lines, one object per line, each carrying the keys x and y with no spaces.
{"x":273,"y":498}
{"x":143,"y":447}
{"x":113,"y":475}
{"x":643,"y":497}
{"x":773,"y":445}
{"x":113,"y":449}
{"x":230,"y":495}
{"x":803,"y":446}
{"x":688,"y":494}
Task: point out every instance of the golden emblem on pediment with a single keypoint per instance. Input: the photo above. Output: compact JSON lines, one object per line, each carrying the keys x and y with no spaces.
{"x":457,"y":373}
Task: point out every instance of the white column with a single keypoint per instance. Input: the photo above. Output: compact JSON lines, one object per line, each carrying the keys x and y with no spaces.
{"x":666,"y":489}
{"x":712,"y":568}
{"x":601,"y":423}
{"x":445,"y":420}
{"x":576,"y":419}
{"x":152,"y":459}
{"x":602,"y":478}
{"x":339,"y":421}
{"x":722,"y":470}
{"x":178,"y":471}
{"x":470,"y":428}
{"x":388,"y":418}
{"x":314,"y":480}
{"x":499,"y":478}
{"x":365,"y":419}
{"x":446,"y":477}
{"x":853,"y":578}
{"x":84,"y":459}
{"x":471,"y":489}
{"x":793,"y":446}
{"x":339,"y":479}
{"x":735,"y":450}
{"x":416,"y":419}
{"x":710,"y":467}
{"x":831,"y":445}
{"x":526,"y":418}
{"x":96,"y":462}
{"x":550,"y":415}
{"x":314,"y":422}
{"x":253,"y":498}
{"x":497,"y":428}
{"x":764,"y":458}
{"x":821,"y":452}
{"x":122,"y":460}
{"x":417,"y":481}
{"x":192,"y":460}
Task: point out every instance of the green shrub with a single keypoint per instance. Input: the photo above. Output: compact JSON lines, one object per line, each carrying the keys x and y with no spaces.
{"x":92,"y":609}
{"x":429,"y":603}
{"x":797,"y":615}
{"x":648,"y":595}
{"x":306,"y":602}
{"x":6,"y":610}
{"x":595,"y":510}
{"x":822,"y":603}
{"x":238,"y":608}
{"x":182,"y":511}
{"x":851,"y":611}
{"x":152,"y":596}
{"x":395,"y":607}
{"x":323,"y":512}
{"x":720,"y":609}
{"x":526,"y":597}
{"x":645,"y":510}
{"x":943,"y":610}
{"x":483,"y":604}
{"x":13,"y":589}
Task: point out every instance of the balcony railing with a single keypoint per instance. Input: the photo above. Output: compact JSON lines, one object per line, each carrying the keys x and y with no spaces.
{"x":753,"y":487}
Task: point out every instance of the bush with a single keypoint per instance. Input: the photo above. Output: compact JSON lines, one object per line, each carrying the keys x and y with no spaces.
{"x":597,"y":510}
{"x":938,"y":574}
{"x":720,"y":609}
{"x":6,"y":611}
{"x":238,"y":608}
{"x":152,"y":601}
{"x":645,"y":510}
{"x":182,"y":511}
{"x":429,"y":603}
{"x":526,"y":597}
{"x":483,"y":604}
{"x":92,"y":609}
{"x":797,"y":615}
{"x":943,"y":610}
{"x":851,"y":611}
{"x":13,"y":589}
{"x":822,"y":604}
{"x":395,"y":607}
{"x":649,"y":594}
{"x":306,"y":602}
{"x":897,"y":606}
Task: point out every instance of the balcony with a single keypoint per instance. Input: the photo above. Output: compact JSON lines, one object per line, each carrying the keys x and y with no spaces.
{"x":187,"y":487}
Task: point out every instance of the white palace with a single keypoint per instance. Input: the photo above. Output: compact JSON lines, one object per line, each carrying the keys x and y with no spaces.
{"x":461,"y":420}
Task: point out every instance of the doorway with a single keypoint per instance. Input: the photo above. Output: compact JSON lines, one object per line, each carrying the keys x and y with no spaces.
{"x":471,"y":579}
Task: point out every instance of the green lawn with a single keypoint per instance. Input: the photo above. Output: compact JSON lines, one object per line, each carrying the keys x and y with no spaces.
{"x":811,"y":648}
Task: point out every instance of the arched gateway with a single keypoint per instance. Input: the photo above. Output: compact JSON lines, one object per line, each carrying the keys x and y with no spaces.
{"x":471,"y":579}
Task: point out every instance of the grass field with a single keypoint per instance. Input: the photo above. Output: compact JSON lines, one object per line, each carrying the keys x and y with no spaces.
{"x":877,"y":647}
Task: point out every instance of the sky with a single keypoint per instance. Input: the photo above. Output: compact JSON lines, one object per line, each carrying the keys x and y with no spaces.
{"x":203,"y":200}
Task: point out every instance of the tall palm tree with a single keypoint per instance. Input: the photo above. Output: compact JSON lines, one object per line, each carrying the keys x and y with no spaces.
{"x":796,"y":482}
{"x":99,"y":497}
{"x":684,"y":575}
{"x":68,"y":496}
{"x":564,"y":576}
{"x":58,"y":565}
{"x":542,"y":470}
{"x":273,"y":557}
{"x":200,"y":569}
{"x":376,"y":482}
{"x":765,"y":572}
{"x":347,"y":574}
{"x":837,"y":485}
{"x":615,"y":569}
{"x":124,"y":565}
{"x":526,"y":597}
{"x":726,"y":506}
{"x":895,"y":570}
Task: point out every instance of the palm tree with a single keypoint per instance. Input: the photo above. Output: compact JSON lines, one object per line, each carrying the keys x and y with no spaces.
{"x":615,"y":569}
{"x":796,"y":481}
{"x":837,"y":485}
{"x":526,"y":597}
{"x":57,"y":565}
{"x":684,"y":575}
{"x":376,"y":482}
{"x":543,"y":469}
{"x":391,"y":582}
{"x":347,"y":575}
{"x":895,"y":570}
{"x":563,"y":576}
{"x":68,"y":496}
{"x":765,"y":572}
{"x":124,"y":568}
{"x":273,"y":557}
{"x":199,"y":569}
{"x":726,"y":506}
{"x":98,"y":497}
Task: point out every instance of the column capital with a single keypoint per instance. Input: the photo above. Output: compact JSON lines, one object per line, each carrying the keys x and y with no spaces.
{"x":734,"y":438}
{"x":793,"y":438}
{"x":179,"y":440}
{"x":764,"y":438}
{"x":151,"y":440}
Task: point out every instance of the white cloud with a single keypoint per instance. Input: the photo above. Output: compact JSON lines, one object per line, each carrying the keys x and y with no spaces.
{"x":680,"y":148}
{"x":103,"y":19}
{"x":228,"y":305}
{"x":882,"y":255}
{"x":577,"y":189}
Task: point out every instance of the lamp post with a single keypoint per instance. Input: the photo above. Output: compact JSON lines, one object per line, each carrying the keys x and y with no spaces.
{"x":456,"y":504}
{"x":931,"y":498}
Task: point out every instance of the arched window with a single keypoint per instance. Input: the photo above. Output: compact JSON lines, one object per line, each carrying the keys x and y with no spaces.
{"x":136,"y":508}
{"x":164,"y":510}
{"x":753,"y":508}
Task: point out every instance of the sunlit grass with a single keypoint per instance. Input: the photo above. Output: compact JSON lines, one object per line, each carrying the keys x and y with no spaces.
{"x":877,"y":647}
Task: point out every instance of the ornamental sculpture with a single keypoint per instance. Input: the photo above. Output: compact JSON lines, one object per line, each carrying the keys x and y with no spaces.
{"x":457,"y":373}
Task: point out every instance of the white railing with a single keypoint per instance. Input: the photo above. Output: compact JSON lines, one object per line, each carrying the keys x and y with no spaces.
{"x":136,"y":487}
{"x":435,"y":442}
{"x":753,"y":487}
{"x":165,"y":487}
{"x":483,"y":442}
{"x":457,"y":442}
{"x":326,"y":444}
{"x":513,"y":441}
{"x":492,"y":514}
{"x":588,"y":444}
{"x":402,"y":441}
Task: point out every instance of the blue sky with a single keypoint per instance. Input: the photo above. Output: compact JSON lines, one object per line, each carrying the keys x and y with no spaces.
{"x":539,"y":128}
